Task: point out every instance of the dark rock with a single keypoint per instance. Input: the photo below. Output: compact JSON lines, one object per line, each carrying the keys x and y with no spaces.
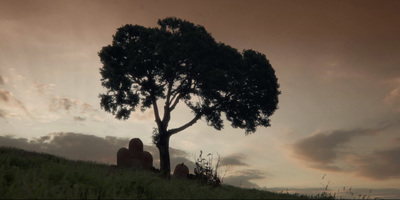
{"x":147,"y":160}
{"x":136,"y":145}
{"x":181,"y":171}
{"x":135,"y":157}
{"x":123,"y":157}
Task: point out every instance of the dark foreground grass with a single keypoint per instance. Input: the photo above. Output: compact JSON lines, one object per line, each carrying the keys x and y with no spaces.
{"x":32,"y":175}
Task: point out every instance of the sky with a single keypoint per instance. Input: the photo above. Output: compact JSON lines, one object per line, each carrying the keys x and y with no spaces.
{"x":337,"y":63}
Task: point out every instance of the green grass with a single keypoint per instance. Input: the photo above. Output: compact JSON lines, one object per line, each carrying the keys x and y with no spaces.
{"x":32,"y":175}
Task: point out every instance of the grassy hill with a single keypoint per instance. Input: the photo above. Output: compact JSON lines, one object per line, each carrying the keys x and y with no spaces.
{"x":32,"y":175}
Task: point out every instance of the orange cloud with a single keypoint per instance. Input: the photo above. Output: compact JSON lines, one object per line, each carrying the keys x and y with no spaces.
{"x":324,"y":151}
{"x":393,"y":98}
{"x":11,"y":104}
{"x":379,"y":165}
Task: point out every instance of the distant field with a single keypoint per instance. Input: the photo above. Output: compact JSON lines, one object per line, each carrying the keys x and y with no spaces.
{"x":25,"y":174}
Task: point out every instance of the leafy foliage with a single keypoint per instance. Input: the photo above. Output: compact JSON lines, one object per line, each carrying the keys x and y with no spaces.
{"x":180,"y":61}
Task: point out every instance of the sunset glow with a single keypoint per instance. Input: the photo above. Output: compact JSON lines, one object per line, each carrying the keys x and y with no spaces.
{"x":337,"y":64}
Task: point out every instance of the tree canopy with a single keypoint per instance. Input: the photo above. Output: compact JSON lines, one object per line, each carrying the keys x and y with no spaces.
{"x":181,"y":62}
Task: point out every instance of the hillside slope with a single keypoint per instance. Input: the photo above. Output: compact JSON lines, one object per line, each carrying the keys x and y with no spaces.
{"x":25,"y":174}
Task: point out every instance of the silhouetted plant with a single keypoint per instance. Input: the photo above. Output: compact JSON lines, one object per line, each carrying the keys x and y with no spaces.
{"x":205,"y":172}
{"x":180,"y":62}
{"x":347,"y":192}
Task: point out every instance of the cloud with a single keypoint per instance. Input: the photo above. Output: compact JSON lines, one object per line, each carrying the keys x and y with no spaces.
{"x":43,"y":89}
{"x":61,"y":103}
{"x":61,"y":106}
{"x":321,"y":150}
{"x":3,"y":113}
{"x":98,"y":118}
{"x":5,"y":96}
{"x":393,"y":98}
{"x":79,"y":119}
{"x":242,"y":178}
{"x":85,"y":107}
{"x":233,"y":160}
{"x":143,"y":116}
{"x":70,"y":145}
{"x":79,"y":146}
{"x":379,"y":165}
{"x":8,"y":99}
{"x":177,"y":157}
{"x":66,"y":104}
{"x":328,"y":151}
{"x":15,"y":76}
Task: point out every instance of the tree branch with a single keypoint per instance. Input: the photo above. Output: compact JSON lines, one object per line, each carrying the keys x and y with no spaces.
{"x":155,"y":108}
{"x":193,"y":121}
{"x":167,"y":110}
{"x":175,"y":103}
{"x":180,"y":92}
{"x":173,"y":97}
{"x":167,"y":102}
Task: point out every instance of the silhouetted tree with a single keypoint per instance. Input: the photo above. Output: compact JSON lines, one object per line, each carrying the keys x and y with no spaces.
{"x":181,"y":62}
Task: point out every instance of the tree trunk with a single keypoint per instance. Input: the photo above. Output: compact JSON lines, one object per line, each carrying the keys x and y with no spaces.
{"x":163,"y":147}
